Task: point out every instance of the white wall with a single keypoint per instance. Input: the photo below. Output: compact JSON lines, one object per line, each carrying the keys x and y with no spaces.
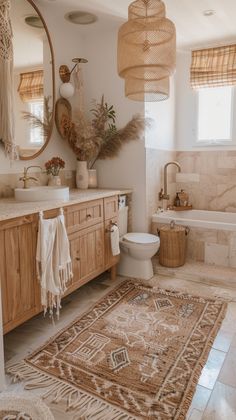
{"x":161,"y":135}
{"x":100,"y":77}
{"x":186,"y":109}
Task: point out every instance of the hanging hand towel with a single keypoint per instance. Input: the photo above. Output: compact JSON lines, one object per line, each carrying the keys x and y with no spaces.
{"x":53,"y":262}
{"x":65,"y":265}
{"x":115,"y":240}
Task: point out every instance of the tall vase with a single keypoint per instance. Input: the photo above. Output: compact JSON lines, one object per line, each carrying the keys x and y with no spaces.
{"x":82,"y":175}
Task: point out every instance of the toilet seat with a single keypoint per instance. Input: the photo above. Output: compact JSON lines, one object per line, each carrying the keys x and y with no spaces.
{"x":141,"y":238}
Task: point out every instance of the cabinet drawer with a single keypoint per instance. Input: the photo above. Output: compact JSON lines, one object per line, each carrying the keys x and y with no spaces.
{"x":84,"y":215}
{"x":111,"y":207}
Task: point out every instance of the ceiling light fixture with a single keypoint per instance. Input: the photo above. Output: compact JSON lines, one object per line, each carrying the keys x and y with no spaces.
{"x":147,"y":51}
{"x":81,"y":18}
{"x":209,"y":12}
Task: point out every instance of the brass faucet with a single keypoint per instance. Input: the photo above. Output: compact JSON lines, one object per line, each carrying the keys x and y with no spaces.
{"x":163,"y":195}
{"x":25,"y":178}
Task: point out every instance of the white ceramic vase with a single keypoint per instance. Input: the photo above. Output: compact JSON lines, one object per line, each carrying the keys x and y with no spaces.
{"x":82,"y":176}
{"x":93,"y":182}
{"x":54,"y":180}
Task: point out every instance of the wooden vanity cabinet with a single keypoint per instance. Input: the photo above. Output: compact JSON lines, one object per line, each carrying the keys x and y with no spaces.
{"x":88,"y":227}
{"x":87,"y":254}
{"x":20,"y":289}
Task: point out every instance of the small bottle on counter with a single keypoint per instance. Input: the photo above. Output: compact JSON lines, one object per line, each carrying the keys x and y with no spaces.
{"x":184,"y":198}
{"x":177,"y":200}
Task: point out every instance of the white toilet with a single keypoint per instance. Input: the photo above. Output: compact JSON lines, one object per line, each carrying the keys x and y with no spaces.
{"x":136,"y":249}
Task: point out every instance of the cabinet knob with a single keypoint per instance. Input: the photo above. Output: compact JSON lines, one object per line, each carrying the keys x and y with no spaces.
{"x":77,"y":258}
{"x":88,"y":216}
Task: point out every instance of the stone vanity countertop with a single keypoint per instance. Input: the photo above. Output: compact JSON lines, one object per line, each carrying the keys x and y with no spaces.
{"x":10,"y":208}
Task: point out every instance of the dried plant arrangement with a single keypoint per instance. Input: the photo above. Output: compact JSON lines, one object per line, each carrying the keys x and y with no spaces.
{"x":43,"y":123}
{"x":100,"y":138}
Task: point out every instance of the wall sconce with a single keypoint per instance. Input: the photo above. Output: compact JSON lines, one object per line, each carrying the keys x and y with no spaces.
{"x":67,"y":89}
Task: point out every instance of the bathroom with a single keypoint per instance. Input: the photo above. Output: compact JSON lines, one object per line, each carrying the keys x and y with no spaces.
{"x":207,"y":173}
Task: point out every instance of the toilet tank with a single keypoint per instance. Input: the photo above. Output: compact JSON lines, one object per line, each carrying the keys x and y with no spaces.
{"x":123,"y":220}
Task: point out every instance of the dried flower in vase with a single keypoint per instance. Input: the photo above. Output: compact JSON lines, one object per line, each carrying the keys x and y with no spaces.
{"x":100,"y":139}
{"x":54,"y":165}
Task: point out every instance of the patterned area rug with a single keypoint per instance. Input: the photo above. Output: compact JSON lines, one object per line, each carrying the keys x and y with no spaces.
{"x":137,"y":354}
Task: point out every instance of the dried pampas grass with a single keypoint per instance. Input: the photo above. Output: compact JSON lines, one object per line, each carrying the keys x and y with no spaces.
{"x":111,"y":147}
{"x":100,"y":139}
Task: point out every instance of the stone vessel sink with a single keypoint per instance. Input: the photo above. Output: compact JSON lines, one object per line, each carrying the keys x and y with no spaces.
{"x":43,"y":193}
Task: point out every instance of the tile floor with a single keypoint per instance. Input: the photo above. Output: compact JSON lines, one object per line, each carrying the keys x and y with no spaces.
{"x":215,"y":396}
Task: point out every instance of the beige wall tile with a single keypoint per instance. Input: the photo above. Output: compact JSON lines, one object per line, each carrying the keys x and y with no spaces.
{"x":217,"y":254}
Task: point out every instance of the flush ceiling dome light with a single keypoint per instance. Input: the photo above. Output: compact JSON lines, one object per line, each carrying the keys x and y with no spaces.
{"x":209,"y":12}
{"x":81,"y":18}
{"x":147,"y":51}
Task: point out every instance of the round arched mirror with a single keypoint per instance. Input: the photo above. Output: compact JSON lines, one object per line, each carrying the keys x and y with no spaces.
{"x":33,"y":79}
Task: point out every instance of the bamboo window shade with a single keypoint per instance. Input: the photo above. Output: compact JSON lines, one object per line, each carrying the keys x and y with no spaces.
{"x":31,"y":86}
{"x":213,"y":67}
{"x":147,"y":51}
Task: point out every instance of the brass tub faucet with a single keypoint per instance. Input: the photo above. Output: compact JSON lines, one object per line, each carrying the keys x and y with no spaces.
{"x":163,"y":194}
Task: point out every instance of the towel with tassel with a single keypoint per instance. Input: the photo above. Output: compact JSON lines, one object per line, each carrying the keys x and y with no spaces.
{"x":115,"y":240}
{"x":54,"y":268}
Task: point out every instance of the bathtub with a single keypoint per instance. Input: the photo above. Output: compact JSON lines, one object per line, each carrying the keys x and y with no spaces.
{"x":198,"y":218}
{"x":212,"y":236}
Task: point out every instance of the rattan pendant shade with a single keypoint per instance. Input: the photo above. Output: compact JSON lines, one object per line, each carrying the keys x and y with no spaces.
{"x":147,"y":51}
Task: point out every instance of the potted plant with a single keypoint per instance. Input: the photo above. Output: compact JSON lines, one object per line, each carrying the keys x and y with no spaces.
{"x":53,"y":167}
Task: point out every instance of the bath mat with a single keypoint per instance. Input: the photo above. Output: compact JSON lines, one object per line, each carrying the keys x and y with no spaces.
{"x":137,"y":354}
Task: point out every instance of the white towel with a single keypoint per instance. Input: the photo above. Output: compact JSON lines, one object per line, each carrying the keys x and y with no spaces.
{"x":54,"y":267}
{"x":115,"y":240}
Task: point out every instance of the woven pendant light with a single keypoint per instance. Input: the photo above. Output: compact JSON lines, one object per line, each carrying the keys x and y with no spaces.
{"x":147,"y":51}
{"x":147,"y":91}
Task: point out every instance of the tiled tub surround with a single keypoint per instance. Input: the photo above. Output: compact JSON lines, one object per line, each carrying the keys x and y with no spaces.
{"x":212,"y":236}
{"x":210,"y":179}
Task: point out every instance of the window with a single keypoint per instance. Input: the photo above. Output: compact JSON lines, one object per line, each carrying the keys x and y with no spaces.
{"x":36,"y":109}
{"x":215,"y":107}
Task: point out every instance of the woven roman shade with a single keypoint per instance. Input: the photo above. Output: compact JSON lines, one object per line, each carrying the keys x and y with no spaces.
{"x":31,"y":85}
{"x":213,"y":67}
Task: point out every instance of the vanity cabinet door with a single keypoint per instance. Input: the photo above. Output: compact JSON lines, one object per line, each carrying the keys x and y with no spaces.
{"x":110,"y":260}
{"x":18,"y":277}
{"x":87,"y":254}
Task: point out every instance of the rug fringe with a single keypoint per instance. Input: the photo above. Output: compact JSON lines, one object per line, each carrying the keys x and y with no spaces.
{"x":87,"y":407}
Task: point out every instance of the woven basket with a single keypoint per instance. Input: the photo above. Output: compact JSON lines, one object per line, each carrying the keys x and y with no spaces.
{"x":173,"y":244}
